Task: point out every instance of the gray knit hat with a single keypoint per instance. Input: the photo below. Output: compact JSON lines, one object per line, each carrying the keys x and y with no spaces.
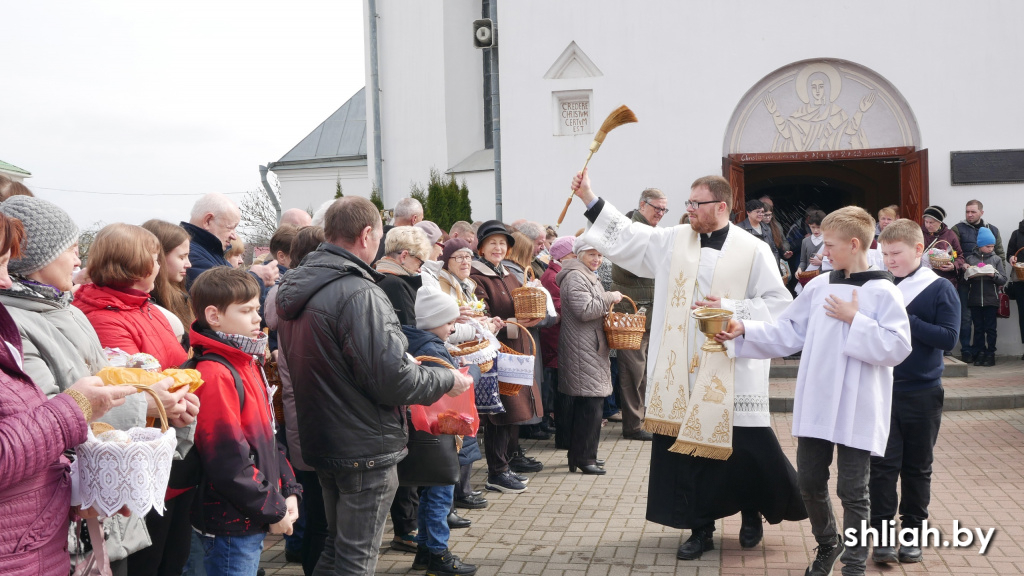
{"x":49,"y":231}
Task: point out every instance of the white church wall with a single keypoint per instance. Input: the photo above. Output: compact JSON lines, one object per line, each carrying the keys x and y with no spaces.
{"x":308,"y":188}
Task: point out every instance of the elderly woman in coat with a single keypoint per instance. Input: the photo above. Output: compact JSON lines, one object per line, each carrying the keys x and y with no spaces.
{"x":584,"y":369}
{"x":494,"y":285}
{"x":35,"y":483}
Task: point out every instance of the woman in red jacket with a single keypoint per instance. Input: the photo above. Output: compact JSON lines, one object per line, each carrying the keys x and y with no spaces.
{"x":123,"y":266}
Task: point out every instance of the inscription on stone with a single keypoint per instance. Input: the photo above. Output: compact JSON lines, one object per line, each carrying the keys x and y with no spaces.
{"x":986,"y":166}
{"x":572,"y":112}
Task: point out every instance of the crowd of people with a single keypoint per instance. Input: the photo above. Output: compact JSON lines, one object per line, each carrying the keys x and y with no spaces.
{"x":340,"y":307}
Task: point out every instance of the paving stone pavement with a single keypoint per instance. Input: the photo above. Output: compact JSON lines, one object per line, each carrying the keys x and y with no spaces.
{"x":571,"y":524}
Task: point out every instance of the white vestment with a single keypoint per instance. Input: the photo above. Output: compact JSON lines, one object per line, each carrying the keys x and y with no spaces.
{"x":647,"y":252}
{"x":844,"y":385}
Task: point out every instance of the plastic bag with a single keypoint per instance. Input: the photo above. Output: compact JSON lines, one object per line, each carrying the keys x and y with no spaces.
{"x":448,"y":415}
{"x":142,"y":377}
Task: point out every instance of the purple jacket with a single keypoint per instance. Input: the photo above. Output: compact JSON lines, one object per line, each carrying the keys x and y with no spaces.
{"x":35,"y":483}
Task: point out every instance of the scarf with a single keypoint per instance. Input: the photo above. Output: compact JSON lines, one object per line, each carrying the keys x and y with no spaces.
{"x":701,"y":419}
{"x":25,"y":288}
{"x":253,"y":346}
{"x":388,"y":266}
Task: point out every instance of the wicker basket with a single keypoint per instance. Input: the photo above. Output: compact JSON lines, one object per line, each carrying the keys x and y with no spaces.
{"x":508,"y":388}
{"x":624,"y":331}
{"x":1018,"y":268}
{"x":470,"y":347}
{"x":444,"y":363}
{"x":530,"y":302}
{"x":941,"y":259}
{"x":805,"y":276}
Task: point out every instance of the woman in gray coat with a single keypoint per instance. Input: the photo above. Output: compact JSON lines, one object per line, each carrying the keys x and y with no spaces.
{"x":584,"y":369}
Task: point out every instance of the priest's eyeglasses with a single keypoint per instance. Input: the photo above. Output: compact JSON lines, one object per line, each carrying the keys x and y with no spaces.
{"x":660,"y":211}
{"x":693,"y":204}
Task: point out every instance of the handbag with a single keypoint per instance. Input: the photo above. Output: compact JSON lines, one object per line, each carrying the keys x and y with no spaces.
{"x":1004,"y":305}
{"x":432,"y":461}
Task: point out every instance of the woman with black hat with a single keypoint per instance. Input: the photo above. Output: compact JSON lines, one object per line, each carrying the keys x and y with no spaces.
{"x":937,"y":235}
{"x":494,"y":285}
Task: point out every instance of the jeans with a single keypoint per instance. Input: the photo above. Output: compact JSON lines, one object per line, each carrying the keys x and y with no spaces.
{"x":435,"y":504}
{"x":813,"y":457}
{"x":984,"y":319}
{"x":194,"y":566}
{"x":966,"y":344}
{"x":356,"y":504}
{"x":171,"y":534}
{"x":913,"y":429}
{"x":235,"y":555}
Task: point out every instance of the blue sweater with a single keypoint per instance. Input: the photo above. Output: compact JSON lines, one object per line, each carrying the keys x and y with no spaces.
{"x":934,"y":328}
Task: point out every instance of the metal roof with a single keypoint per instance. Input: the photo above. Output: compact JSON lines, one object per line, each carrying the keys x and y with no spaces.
{"x":12,"y":169}
{"x":339,"y":139}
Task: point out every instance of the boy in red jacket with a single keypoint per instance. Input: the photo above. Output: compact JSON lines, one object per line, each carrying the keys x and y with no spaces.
{"x":248,"y":486}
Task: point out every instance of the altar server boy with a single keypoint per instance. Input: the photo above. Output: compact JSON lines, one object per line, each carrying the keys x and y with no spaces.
{"x":933,"y":307}
{"x":852,"y":327}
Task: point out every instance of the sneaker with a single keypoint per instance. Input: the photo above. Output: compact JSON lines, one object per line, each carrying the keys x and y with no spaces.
{"x":520,"y":462}
{"x":910,"y":554}
{"x":471,"y":502}
{"x":521,"y":477}
{"x":404,"y":542}
{"x":448,"y":564}
{"x":422,"y":559}
{"x":825,"y":559}
{"x":968,"y":358}
{"x":505,"y":483}
{"x":617,"y":417}
{"x":883,"y":555}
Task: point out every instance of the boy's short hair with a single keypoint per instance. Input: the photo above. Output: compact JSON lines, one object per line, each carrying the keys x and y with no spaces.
{"x":221,"y":287}
{"x":902,"y":230}
{"x":121,"y":255}
{"x":851,"y":222}
{"x":281,"y":241}
{"x":815,"y":217}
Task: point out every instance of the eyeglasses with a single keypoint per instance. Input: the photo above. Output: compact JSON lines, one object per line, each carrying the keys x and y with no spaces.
{"x":463,"y":258}
{"x":693,"y":204}
{"x":661,"y":211}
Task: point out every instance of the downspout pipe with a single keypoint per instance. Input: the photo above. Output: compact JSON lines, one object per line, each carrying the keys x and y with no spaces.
{"x":378,"y":161}
{"x":270,"y":191}
{"x":495,"y":114}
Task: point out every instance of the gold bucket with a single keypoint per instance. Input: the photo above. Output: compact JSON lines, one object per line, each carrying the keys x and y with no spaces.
{"x":711,"y":321}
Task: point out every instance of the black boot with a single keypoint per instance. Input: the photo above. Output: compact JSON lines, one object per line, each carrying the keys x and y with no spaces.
{"x":422,"y":559}
{"x":700,"y":541}
{"x":751,"y":529}
{"x":990,"y":360}
{"x":448,"y":564}
{"x":909,"y":554}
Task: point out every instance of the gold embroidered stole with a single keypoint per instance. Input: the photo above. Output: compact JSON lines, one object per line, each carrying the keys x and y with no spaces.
{"x":707,"y":411}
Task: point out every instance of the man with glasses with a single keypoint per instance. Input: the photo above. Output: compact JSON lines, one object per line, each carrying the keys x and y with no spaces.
{"x":714,"y":452}
{"x":633,"y":363}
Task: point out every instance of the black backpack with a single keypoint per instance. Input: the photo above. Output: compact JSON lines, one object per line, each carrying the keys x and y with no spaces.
{"x":188,"y":473}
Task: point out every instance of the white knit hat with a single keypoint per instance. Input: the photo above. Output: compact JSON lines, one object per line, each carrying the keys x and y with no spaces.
{"x":580,"y":246}
{"x":434,"y":308}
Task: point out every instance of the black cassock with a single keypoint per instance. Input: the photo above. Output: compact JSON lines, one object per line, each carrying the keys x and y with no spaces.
{"x":690,"y":492}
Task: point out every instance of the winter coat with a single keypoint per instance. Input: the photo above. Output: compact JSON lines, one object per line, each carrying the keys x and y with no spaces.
{"x":967,"y":234}
{"x":946,"y":234}
{"x":129,"y":320}
{"x":1015,"y":244}
{"x":584,"y":366}
{"x":291,"y":426}
{"x":246,"y":477}
{"x":205,"y":251}
{"x":549,"y":336}
{"x":983,"y":290}
{"x":496,"y":291}
{"x":35,"y":480}
{"x":765,"y":234}
{"x":347,"y":358}
{"x":401,"y":291}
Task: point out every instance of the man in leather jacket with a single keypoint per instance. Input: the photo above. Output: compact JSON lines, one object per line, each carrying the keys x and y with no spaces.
{"x":352,"y":379}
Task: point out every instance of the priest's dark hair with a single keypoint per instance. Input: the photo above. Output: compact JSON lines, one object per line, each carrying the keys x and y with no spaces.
{"x":719,"y":187}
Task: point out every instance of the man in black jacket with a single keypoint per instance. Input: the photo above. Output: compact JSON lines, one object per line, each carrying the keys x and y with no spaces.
{"x":352,"y":377}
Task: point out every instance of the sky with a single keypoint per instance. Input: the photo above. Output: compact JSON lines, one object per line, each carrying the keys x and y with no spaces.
{"x":126,"y":111}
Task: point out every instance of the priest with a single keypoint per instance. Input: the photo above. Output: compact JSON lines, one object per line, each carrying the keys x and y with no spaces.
{"x":714,"y":452}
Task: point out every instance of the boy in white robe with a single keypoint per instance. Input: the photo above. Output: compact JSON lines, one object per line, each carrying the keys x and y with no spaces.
{"x":852,"y":327}
{"x":933,"y":307}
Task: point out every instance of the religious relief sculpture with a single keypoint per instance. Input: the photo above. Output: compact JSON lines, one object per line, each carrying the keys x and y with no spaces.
{"x":820,"y":124}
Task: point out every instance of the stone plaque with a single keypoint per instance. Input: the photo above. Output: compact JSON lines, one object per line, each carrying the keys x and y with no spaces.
{"x":572,"y":112}
{"x":986,"y":166}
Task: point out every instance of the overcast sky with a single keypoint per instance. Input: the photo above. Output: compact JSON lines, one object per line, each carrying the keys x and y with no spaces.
{"x":147,"y":101}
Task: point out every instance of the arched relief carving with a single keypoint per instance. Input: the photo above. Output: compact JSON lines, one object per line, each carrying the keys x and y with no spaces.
{"x":821,"y":105}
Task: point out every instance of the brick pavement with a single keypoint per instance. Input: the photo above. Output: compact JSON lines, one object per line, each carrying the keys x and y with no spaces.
{"x":570,"y":524}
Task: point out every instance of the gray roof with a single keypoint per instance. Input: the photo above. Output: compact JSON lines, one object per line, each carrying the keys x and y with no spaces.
{"x":338,"y":141}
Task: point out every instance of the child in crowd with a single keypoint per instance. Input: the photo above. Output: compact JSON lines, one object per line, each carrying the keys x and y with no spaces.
{"x":933,"y":308}
{"x":811,"y":247}
{"x":436,"y":313}
{"x":852,"y":327}
{"x":248,"y":486}
{"x":984,"y":274}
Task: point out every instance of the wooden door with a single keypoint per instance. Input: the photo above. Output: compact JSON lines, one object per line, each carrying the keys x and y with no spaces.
{"x":914,"y":185}
{"x":733,"y":172}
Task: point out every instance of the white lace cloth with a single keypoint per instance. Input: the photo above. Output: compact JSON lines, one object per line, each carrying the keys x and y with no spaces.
{"x":480,"y":356}
{"x":134,"y":474}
